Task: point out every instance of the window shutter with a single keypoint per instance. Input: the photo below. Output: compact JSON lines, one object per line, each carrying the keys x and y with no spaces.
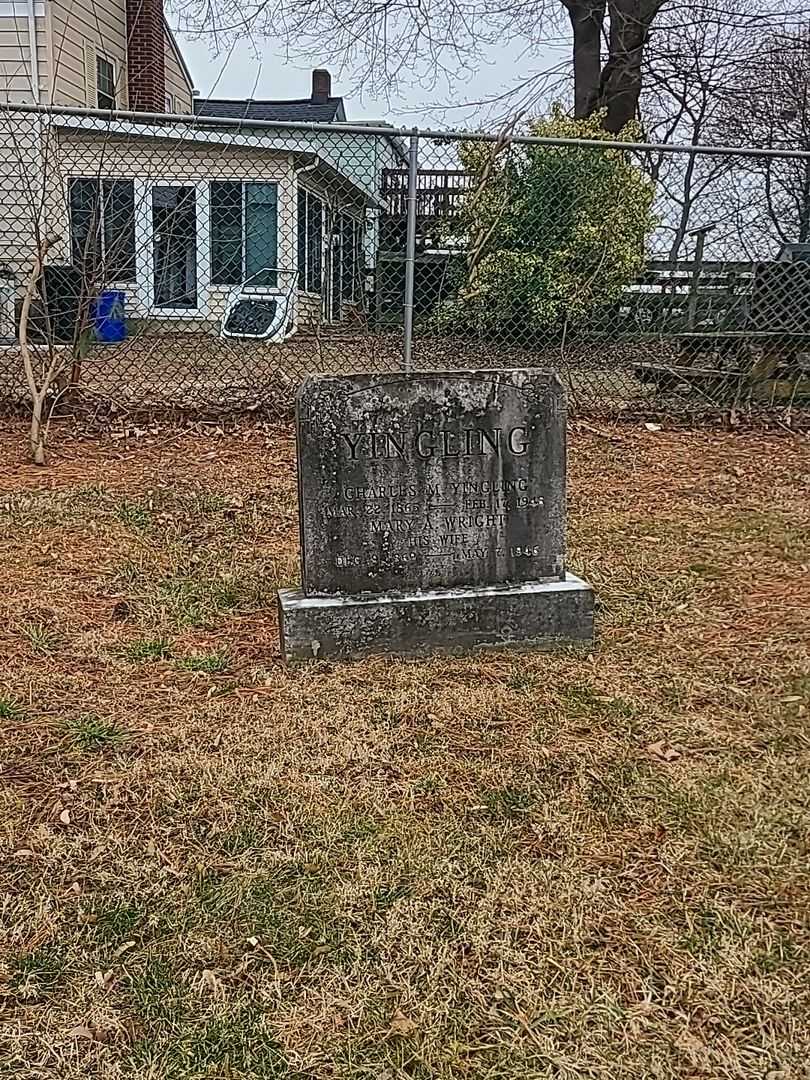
{"x":122,"y":86}
{"x":90,"y":87}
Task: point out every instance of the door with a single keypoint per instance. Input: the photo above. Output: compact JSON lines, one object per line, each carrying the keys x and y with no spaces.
{"x":174,"y":245}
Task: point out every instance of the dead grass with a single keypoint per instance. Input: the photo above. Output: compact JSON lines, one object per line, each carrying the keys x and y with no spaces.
{"x":499,"y":867}
{"x":162,"y":371}
{"x":197,"y":371}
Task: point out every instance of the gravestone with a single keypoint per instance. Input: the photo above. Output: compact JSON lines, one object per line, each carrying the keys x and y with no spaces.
{"x":432,"y":511}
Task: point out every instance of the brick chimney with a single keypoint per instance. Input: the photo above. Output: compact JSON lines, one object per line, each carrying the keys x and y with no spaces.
{"x":321,"y":86}
{"x":146,"y":65}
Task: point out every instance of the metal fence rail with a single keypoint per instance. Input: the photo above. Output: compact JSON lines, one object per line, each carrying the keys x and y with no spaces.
{"x":154,"y":261}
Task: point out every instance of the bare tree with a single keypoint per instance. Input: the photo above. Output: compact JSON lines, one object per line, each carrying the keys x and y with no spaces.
{"x":688,"y":66}
{"x":385,"y":43}
{"x":768,"y":106}
{"x":40,"y":373}
{"x":611,"y":82}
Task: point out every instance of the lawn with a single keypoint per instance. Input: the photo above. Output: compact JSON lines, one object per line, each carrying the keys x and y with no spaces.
{"x":202,"y":370}
{"x":507,"y":866}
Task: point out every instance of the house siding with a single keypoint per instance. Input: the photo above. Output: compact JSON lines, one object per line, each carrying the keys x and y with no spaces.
{"x":64,"y":28}
{"x":354,"y":155}
{"x":15,"y":58}
{"x":310,"y":309}
{"x":171,"y":161}
{"x":176,"y":82}
{"x":75,"y":23}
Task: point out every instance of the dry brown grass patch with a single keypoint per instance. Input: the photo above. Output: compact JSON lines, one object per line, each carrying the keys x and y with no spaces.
{"x":493,"y":867}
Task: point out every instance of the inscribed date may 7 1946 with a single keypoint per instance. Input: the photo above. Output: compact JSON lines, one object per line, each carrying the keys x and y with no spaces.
{"x":431,"y":481}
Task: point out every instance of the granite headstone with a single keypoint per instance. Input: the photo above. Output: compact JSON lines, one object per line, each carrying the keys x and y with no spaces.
{"x":432,"y":510}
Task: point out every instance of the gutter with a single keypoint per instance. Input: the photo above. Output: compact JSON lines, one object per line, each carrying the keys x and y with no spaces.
{"x":306,"y":168}
{"x":198,"y":122}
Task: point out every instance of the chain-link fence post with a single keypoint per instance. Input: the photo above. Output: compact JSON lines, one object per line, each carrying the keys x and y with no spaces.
{"x":410,"y":250}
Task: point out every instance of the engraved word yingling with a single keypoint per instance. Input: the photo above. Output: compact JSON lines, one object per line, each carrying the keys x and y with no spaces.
{"x":445,"y":443}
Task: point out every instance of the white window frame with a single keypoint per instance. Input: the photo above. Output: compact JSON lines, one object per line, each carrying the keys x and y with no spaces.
{"x":100,"y":179}
{"x":302,"y":270}
{"x":145,"y":252}
{"x":357,"y":233}
{"x":101,"y":56}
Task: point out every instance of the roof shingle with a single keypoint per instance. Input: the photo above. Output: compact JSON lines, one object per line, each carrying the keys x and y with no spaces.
{"x":302,"y":110}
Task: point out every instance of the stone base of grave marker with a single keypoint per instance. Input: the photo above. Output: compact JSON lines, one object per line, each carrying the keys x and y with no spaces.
{"x":533,"y":615}
{"x":432,"y":511}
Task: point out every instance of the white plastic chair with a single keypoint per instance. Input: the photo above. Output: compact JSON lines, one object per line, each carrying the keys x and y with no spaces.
{"x":263,"y":312}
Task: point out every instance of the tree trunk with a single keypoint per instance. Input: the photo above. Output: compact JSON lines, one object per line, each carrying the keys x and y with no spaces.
{"x":38,"y":390}
{"x":37,"y":431}
{"x":587,"y":19}
{"x":804,"y":206}
{"x":686,"y":210}
{"x":620,"y":85}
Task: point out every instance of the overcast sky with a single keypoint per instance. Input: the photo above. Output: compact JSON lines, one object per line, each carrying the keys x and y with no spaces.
{"x":244,"y":74}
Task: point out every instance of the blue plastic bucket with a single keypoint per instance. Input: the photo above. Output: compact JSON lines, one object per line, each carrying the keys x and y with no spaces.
{"x":110,"y":323}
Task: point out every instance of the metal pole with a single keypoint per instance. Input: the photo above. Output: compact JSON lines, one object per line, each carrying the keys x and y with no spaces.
{"x":694,"y":284}
{"x":410,"y":251}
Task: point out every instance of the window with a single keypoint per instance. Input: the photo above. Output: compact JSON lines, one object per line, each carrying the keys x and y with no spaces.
{"x":105,"y":83}
{"x":351,"y":257}
{"x":310,"y":241}
{"x":244,"y":233}
{"x":174,"y":246}
{"x":102,"y":228}
{"x":169,"y":103}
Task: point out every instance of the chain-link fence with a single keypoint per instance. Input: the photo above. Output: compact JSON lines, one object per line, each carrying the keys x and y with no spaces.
{"x":153,"y":262}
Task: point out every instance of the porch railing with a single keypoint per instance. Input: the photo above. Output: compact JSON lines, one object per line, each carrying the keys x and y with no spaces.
{"x":439,"y":192}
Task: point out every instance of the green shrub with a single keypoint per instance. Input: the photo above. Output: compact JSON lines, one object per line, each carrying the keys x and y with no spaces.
{"x":553,"y":233}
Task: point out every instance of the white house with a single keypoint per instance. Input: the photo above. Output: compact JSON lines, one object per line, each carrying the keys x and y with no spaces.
{"x":183,"y":200}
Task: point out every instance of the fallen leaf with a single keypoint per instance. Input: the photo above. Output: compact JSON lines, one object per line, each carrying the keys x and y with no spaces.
{"x":663,"y":751}
{"x":105,"y":979}
{"x":127,"y":945}
{"x":401,"y":1025}
{"x":64,"y":817}
{"x":211,"y":983}
{"x":81,"y":1032}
